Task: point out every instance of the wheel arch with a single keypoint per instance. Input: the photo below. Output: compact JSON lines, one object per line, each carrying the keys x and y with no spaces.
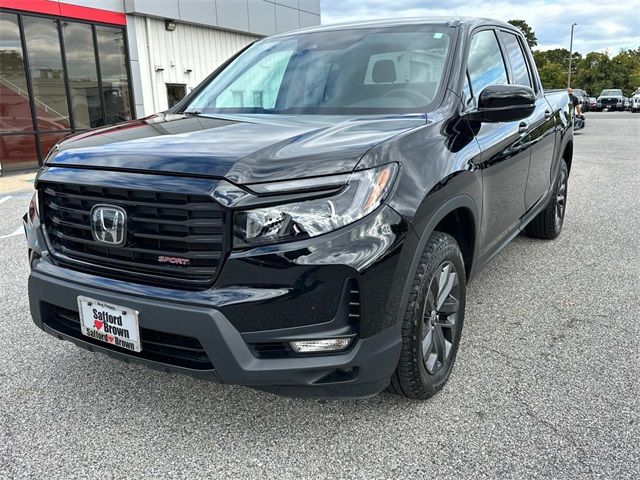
{"x":567,"y":154}
{"x":460,"y":224}
{"x":461,"y":207}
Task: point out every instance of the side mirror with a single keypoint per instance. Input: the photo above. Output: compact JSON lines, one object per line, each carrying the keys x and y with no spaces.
{"x":504,"y":103}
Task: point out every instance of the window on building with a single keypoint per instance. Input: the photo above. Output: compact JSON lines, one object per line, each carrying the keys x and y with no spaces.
{"x":175,"y":93}
{"x":61,"y":88}
{"x":18,"y":151}
{"x":258,"y":98}
{"x":15,"y":112}
{"x":47,"y":73}
{"x":17,"y":142}
{"x":485,"y":64}
{"x":238,"y":97}
{"x":83,"y":75}
{"x":114,"y":76}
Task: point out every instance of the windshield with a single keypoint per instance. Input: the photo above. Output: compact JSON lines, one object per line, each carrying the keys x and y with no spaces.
{"x":611,"y":92}
{"x":370,"y":70}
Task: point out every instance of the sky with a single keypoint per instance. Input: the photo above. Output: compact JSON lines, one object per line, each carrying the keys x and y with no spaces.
{"x":603,"y":25}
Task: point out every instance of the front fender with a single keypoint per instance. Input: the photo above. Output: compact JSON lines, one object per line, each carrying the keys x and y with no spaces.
{"x":433,"y":211}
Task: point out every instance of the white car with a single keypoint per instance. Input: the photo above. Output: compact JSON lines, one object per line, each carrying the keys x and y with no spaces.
{"x":635,"y":101}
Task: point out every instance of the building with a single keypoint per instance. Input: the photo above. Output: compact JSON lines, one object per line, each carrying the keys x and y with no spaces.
{"x":69,"y":66}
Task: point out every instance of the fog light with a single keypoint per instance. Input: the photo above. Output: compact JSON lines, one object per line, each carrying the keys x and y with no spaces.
{"x":325,"y":345}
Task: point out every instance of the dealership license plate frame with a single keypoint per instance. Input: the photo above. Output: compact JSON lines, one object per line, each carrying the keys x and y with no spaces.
{"x":130,"y":323}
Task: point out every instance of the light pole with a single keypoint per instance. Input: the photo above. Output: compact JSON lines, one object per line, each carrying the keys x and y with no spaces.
{"x":570,"y":56}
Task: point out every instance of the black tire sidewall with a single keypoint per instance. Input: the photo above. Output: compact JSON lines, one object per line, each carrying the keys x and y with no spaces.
{"x":450,"y":252}
{"x":554,"y":200}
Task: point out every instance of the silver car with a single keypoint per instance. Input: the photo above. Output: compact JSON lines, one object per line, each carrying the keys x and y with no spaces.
{"x":635,"y":101}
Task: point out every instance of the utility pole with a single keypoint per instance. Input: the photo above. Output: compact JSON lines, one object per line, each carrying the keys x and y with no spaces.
{"x":570,"y":56}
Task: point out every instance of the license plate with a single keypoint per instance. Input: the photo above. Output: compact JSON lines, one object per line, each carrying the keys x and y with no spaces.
{"x":109,"y":323}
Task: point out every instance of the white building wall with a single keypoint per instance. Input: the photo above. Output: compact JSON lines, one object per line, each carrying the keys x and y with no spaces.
{"x":189,"y":47}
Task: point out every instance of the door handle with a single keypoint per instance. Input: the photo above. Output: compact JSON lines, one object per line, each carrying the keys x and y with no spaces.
{"x":547,"y":113}
{"x":523,"y":128}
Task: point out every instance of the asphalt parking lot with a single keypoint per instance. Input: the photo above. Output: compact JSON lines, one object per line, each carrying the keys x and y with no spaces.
{"x":547,"y":381}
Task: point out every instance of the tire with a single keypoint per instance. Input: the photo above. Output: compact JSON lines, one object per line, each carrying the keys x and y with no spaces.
{"x":548,"y":223}
{"x":433,"y":320}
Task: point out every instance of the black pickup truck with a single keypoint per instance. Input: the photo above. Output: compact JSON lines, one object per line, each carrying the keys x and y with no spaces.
{"x":306,"y":221}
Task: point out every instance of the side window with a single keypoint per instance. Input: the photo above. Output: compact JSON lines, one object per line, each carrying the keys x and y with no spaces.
{"x":516,"y":59}
{"x":485,"y":64}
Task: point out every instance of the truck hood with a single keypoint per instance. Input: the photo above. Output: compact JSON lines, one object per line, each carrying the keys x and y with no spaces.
{"x":242,"y":148}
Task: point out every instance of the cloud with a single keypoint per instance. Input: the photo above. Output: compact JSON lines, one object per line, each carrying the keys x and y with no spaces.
{"x":602,"y":24}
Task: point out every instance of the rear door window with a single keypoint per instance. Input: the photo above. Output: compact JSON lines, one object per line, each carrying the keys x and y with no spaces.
{"x":519,"y":68}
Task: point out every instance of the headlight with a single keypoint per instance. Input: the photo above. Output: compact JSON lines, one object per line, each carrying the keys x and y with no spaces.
{"x":34,"y":208}
{"x":363,"y":193}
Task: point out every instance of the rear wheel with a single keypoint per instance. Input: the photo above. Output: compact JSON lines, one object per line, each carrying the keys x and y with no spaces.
{"x":433,"y":321}
{"x":548,"y":223}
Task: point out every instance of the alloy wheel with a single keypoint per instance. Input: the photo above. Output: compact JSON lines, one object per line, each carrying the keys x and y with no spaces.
{"x":439,"y":317}
{"x":561,"y":198}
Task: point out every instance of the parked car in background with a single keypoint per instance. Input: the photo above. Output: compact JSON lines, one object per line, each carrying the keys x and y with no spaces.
{"x":635,"y":101}
{"x":315,"y":240}
{"x":593,"y":101}
{"x":610,"y":99}
{"x":582,"y":97}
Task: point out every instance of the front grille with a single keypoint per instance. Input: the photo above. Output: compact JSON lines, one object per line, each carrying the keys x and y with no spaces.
{"x":186,"y":229}
{"x":609,"y":101}
{"x":168,"y":348}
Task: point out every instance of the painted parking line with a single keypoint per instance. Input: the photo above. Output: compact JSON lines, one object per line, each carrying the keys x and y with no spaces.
{"x":4,"y":199}
{"x":18,"y":231}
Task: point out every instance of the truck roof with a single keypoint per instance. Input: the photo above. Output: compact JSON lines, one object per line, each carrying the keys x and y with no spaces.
{"x":469,"y":22}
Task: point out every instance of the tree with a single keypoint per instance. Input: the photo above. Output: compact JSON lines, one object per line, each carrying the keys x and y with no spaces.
{"x":596,"y":71}
{"x":552,"y":75}
{"x":527,"y":31}
{"x":559,"y":56}
{"x":623,"y":66}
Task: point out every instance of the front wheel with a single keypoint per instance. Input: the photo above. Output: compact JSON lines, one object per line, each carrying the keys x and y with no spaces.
{"x":548,"y":223}
{"x":433,"y":320}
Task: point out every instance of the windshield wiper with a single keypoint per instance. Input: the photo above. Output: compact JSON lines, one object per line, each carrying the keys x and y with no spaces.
{"x":192,"y":112}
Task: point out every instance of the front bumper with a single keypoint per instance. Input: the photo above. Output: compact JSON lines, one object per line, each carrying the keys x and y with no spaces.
{"x":610,"y":106}
{"x":265,"y":296}
{"x":363,"y":371}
